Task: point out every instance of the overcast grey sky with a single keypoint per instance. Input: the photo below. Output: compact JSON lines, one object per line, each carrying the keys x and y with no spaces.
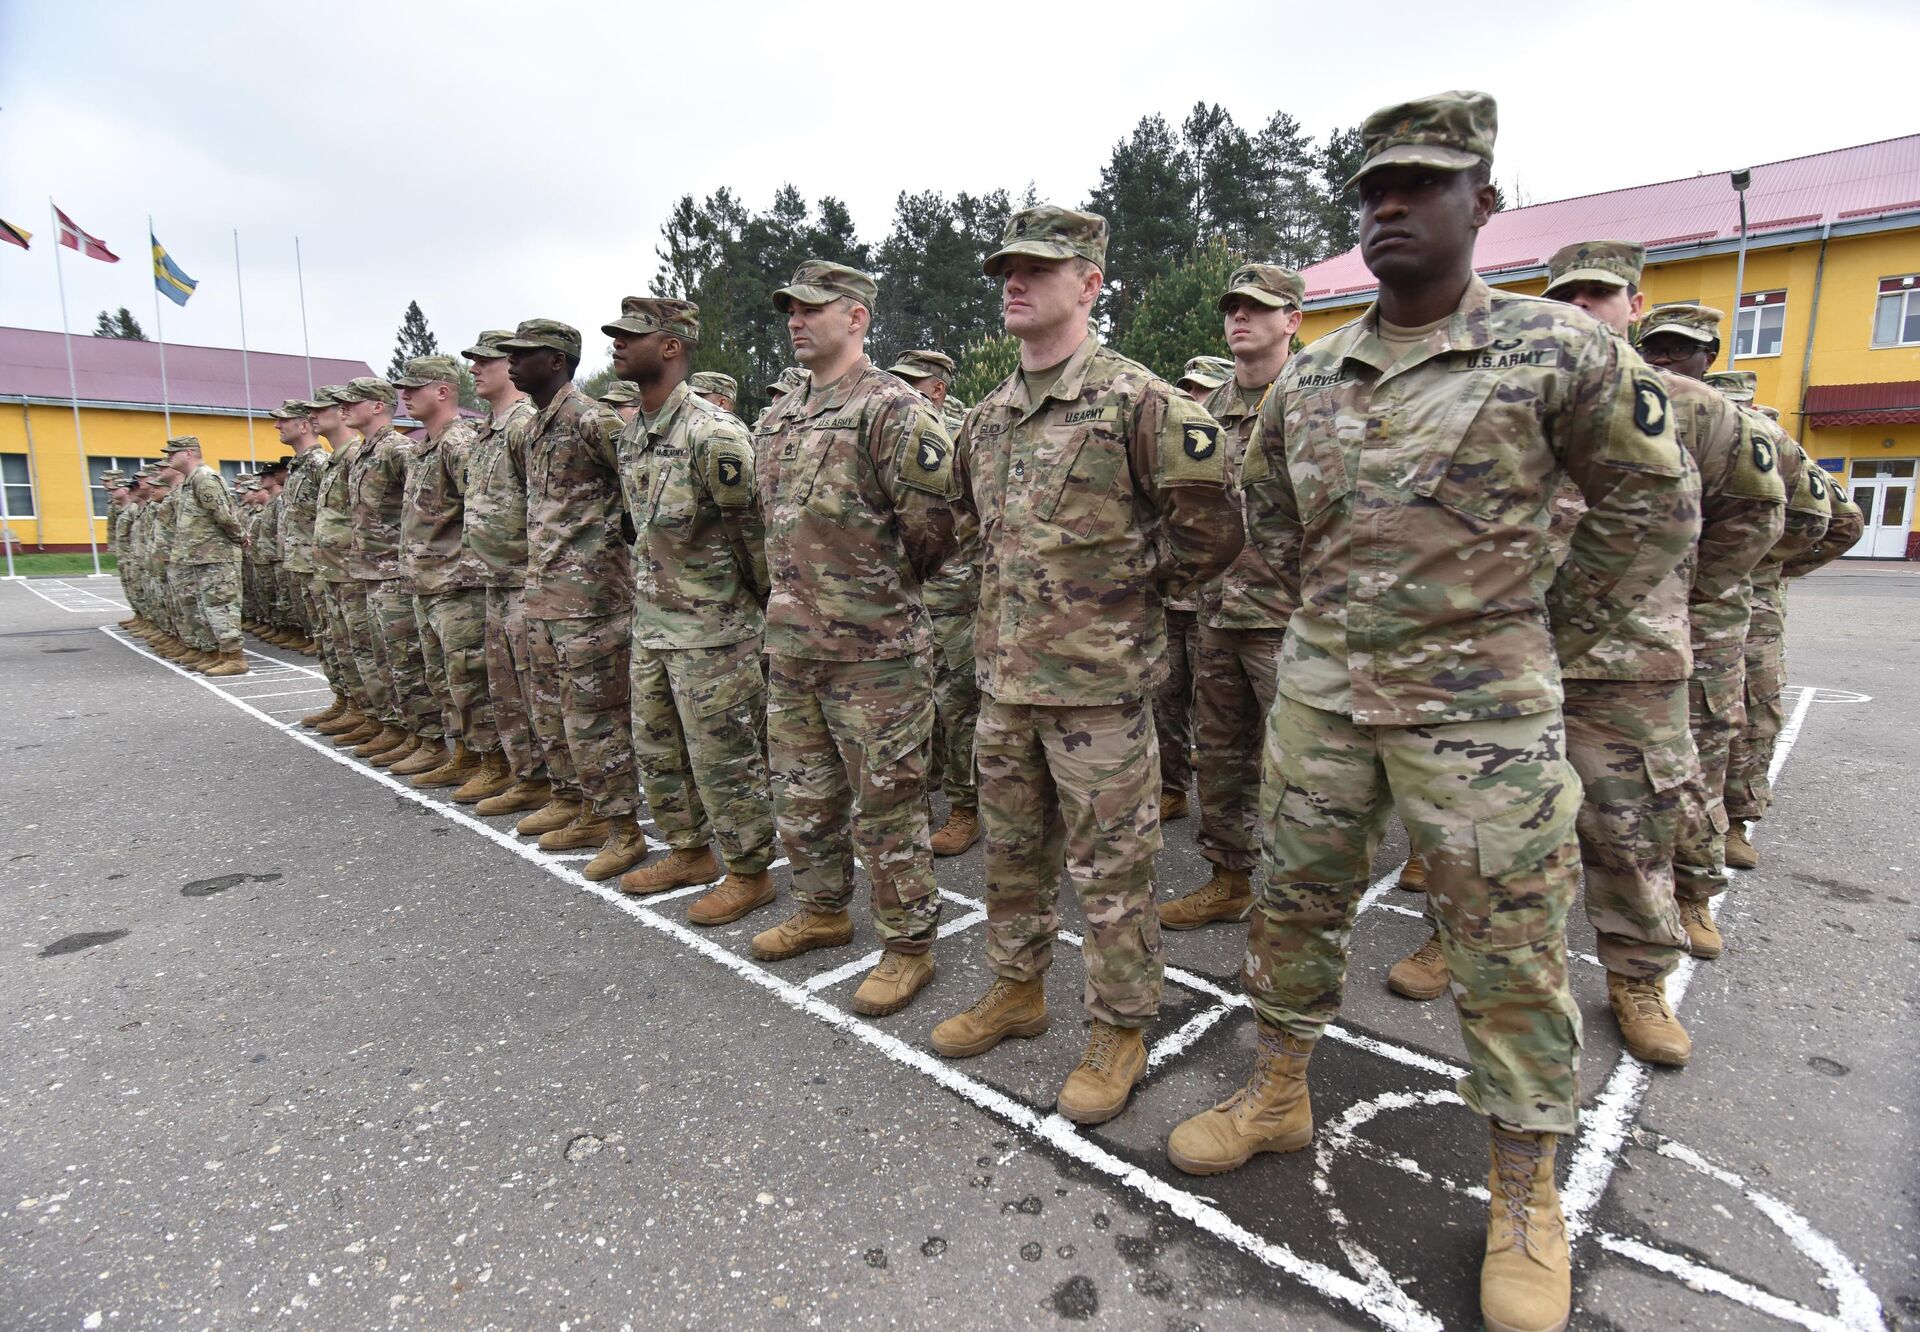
{"x":498,"y":162}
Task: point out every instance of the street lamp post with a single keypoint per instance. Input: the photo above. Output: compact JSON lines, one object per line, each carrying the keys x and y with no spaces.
{"x":1741,"y":180}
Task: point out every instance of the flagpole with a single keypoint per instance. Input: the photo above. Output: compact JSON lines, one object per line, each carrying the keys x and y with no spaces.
{"x":160,"y":336}
{"x":73,"y":395}
{"x":305,"y":346}
{"x":246,"y":375}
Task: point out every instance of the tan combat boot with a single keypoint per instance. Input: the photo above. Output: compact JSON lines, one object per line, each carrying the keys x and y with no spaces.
{"x":735,"y":896}
{"x":588,"y":829}
{"x":369,"y":729}
{"x":459,"y":764}
{"x":326,"y":714}
{"x":1413,"y":874}
{"x":427,"y":755}
{"x":229,"y":663}
{"x":388,"y":737}
{"x":1740,"y":852}
{"x":1272,"y":1113}
{"x":406,"y":749}
{"x":684,"y":867}
{"x":1098,"y":1088}
{"x":200,"y":659}
{"x":493,"y":777}
{"x":1228,"y":895}
{"x":1421,"y":974}
{"x":1173,"y":805}
{"x":1008,"y":1008}
{"x":1651,"y":1032}
{"x":1703,"y":936}
{"x":892,"y":985}
{"x":350,"y":720}
{"x":625,"y":845}
{"x":802,"y":932}
{"x":526,"y":793}
{"x":558,"y":812}
{"x":961,"y":830}
{"x":1526,"y":1279}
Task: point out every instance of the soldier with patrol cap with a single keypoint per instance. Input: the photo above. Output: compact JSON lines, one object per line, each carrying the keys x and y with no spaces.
{"x":952,"y":596}
{"x":1203,"y":375}
{"x":294,"y":422}
{"x":1401,"y":470}
{"x":336,"y":591}
{"x":1242,"y":614}
{"x":785,"y":382}
{"x":622,"y":398}
{"x":699,"y":695}
{"x":723,"y":391}
{"x":579,"y":606}
{"x":1101,"y":490}
{"x":862,"y":493}
{"x":205,"y":559}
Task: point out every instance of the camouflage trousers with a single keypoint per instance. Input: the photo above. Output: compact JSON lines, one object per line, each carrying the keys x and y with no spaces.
{"x":1748,"y":791}
{"x":184,"y":602}
{"x":699,"y":722}
{"x":580,"y":708}
{"x":336,"y":641}
{"x":1236,"y":674}
{"x":956,"y":709}
{"x":390,"y":608}
{"x":1079,"y":787}
{"x":215,"y":589}
{"x":1490,"y":806}
{"x":509,"y":662}
{"x":1630,"y":743}
{"x":164,"y":600}
{"x":368,"y":654}
{"x":1173,"y":701}
{"x":453,"y":630}
{"x":849,"y":746}
{"x":280,"y":609}
{"x":1716,"y":711}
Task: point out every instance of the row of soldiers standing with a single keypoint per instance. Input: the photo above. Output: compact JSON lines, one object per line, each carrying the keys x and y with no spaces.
{"x":1469,"y":559}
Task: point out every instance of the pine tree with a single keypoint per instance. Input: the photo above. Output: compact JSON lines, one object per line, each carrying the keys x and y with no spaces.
{"x":1146,"y":194}
{"x":415,"y":339}
{"x":120,"y":324}
{"x":1178,"y":315}
{"x":1336,"y":161}
{"x":983,"y":365}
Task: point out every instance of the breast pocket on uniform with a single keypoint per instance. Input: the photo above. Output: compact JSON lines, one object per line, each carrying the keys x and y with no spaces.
{"x":1079,"y":491}
{"x":827,"y":481}
{"x":1319,"y":437}
{"x":673,"y":501}
{"x":1478,"y":460}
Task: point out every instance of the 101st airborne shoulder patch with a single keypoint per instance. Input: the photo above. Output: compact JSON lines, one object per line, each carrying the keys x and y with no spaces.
{"x":1756,"y":471}
{"x":730,"y":472}
{"x":926,"y":459}
{"x":1645,"y":440}
{"x":1190,"y":443}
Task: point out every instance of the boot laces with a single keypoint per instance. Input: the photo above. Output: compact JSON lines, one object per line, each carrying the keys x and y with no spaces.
{"x":1429,"y":954}
{"x":1269,"y":1050}
{"x":1513,"y":1163}
{"x":1101,"y":1048}
{"x":1694,"y":912}
{"x":1648,"y":1002}
{"x":991,"y":999}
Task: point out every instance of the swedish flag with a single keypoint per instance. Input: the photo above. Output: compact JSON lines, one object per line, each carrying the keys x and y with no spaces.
{"x":168,"y":280}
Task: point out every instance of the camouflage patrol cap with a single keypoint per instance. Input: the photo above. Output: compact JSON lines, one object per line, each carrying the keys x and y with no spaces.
{"x":1734,"y":385}
{"x":331,"y":395}
{"x":1269,"y":284}
{"x":1771,"y":413}
{"x":179,"y":444}
{"x":817,"y":282}
{"x":424,"y":370}
{"x":923,"y":365}
{"x":1209,"y":372}
{"x":1451,"y":131}
{"x":656,"y":314}
{"x":1611,"y":263}
{"x":1684,"y":319}
{"x":534,"y":334}
{"x":712,"y":381}
{"x":1048,"y":231}
{"x":487,"y":346}
{"x":620,"y":392}
{"x":112,"y":480}
{"x":366,"y":388}
{"x":788,"y":380}
{"x":278,"y":467}
{"x":245,"y":482}
{"x":292,"y":409}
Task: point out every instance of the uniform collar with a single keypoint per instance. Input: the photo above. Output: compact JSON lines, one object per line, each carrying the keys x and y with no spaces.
{"x":545,"y":418}
{"x":1073,"y":377}
{"x":662,"y":421}
{"x":1469,"y":328}
{"x":836,"y":397}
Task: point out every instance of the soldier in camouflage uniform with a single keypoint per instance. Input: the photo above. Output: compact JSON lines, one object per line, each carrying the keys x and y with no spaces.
{"x":299,"y":498}
{"x":951,"y":596}
{"x":1401,"y":470}
{"x":494,"y":534}
{"x":579,"y":606}
{"x":343,"y":597}
{"x":205,"y":560}
{"x":119,"y":511}
{"x":1101,"y":489}
{"x":1204,"y":376}
{"x":789,"y":379}
{"x":1243,"y":614}
{"x":723,"y":391}
{"x":449,"y":602}
{"x":622,"y":398}
{"x":700,"y":580}
{"x":861,"y":492}
{"x":249,"y":501}
{"x":264,"y":543}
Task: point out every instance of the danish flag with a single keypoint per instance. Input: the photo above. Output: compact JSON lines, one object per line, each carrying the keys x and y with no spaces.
{"x":75,"y":239}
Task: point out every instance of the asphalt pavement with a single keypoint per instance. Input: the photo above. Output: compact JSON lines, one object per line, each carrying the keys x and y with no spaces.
{"x":288,"y":1044}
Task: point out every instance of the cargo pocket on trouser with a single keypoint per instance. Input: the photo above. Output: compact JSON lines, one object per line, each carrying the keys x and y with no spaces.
{"x":1671,"y":762}
{"x":1529,"y":866}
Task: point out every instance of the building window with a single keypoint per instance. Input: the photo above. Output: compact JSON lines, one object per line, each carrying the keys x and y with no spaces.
{"x":1896,"y":315}
{"x":97,"y":493}
{"x":232,"y":470}
{"x":1762,"y":322}
{"x":18,"y":482}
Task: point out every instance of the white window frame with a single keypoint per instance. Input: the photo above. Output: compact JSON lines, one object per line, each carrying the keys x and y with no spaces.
{"x":102,"y":508}
{"x":1907,"y":297}
{"x":32,"y":511}
{"x":1767,"y":301}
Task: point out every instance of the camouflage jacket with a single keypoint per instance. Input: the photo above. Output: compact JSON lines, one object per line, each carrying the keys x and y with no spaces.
{"x":207,"y":527}
{"x":264,"y":534}
{"x":1096,"y":503}
{"x":494,"y":530}
{"x":1695,"y":621}
{"x":432,"y":513}
{"x":1809,"y":512}
{"x":1843,"y":530}
{"x":377,"y":485}
{"x":298,"y":503}
{"x":861,"y":491}
{"x":577,"y":562}
{"x":1250,"y":594}
{"x":1407,"y":495}
{"x":333,"y":514}
{"x":119,"y":526}
{"x":954,"y":588}
{"x":140,"y":533}
{"x":699,"y":550}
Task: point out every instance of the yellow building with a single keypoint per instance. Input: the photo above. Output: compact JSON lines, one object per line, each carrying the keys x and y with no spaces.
{"x":1828,"y":317}
{"x":48,"y":478}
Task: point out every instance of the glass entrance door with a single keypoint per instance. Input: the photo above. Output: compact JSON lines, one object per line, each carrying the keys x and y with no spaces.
{"x":1884,"y":490}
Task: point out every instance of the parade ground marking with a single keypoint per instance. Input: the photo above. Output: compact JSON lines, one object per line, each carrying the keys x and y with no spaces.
{"x":1371,"y":1287}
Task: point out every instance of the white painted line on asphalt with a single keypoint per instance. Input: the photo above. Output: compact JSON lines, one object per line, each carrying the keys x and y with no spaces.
{"x":59,"y":604}
{"x":861,"y":965}
{"x":89,"y":592}
{"x":284,"y":693}
{"x":1176,"y":1041}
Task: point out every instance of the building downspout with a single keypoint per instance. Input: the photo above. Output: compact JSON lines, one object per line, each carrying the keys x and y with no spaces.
{"x":1813,"y":325}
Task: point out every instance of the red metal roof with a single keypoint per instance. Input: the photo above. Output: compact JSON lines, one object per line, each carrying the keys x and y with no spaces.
{"x":33,"y":363}
{"x":1894,"y":403}
{"x":1843,"y":185}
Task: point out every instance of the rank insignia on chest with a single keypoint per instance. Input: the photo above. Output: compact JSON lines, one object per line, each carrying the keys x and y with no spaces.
{"x":1200,"y":441}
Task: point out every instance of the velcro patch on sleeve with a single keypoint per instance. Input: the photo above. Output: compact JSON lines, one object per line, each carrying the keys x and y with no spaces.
{"x":1191,"y":444}
{"x":926,"y":458}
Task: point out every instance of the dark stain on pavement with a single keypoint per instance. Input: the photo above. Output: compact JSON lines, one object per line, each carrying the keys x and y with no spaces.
{"x":79,"y":943}
{"x":220,"y":884}
{"x":1831,"y":1067}
{"x":1834,"y":888}
{"x":1076,"y":1299}
{"x":71,"y":649}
